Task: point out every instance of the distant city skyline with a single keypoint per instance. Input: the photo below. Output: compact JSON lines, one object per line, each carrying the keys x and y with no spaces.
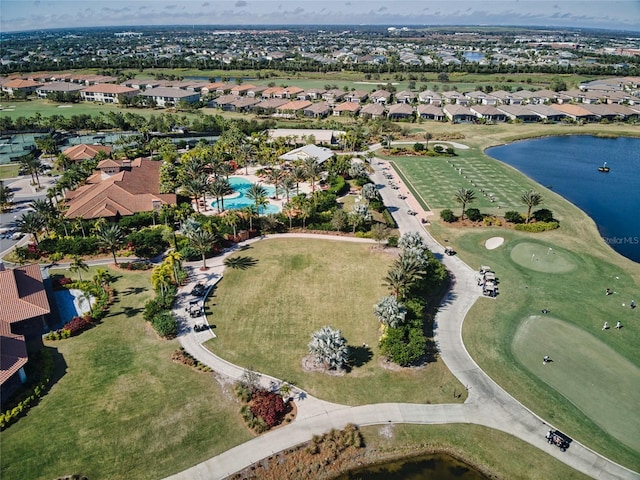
{"x":21,"y":15}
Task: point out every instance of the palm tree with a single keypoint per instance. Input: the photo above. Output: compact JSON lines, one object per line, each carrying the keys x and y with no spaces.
{"x":78,"y":225}
{"x":298,"y":174}
{"x":6,"y":197}
{"x":330,"y":348}
{"x":46,"y":210}
{"x":194,"y":187}
{"x":286,"y":186}
{"x":102,"y":278}
{"x":288,"y":210}
{"x":161,"y":279}
{"x":312,"y":170}
{"x":219,"y":188}
{"x":31,"y":223}
{"x":258,"y":194}
{"x":32,"y":165}
{"x":174,"y":260}
{"x":274,"y":176}
{"x":530,"y":199}
{"x":98,"y":224}
{"x":246,"y":152}
{"x":464,"y":196}
{"x":248,"y":213}
{"x":63,"y":162}
{"x":78,"y":266}
{"x":202,"y":240}
{"x":427,"y":137}
{"x":231,"y":219}
{"x":111,"y":237}
{"x":390,"y":312}
{"x":398,"y":280}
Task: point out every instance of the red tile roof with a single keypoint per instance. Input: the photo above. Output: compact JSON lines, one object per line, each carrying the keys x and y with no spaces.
{"x":85,"y":152}
{"x":126,"y":192}
{"x":23,"y":294}
{"x":13,"y":352}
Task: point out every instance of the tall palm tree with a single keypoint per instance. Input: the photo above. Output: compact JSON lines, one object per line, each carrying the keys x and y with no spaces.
{"x":246,"y":152}
{"x":531,"y":199}
{"x":63,"y":162}
{"x":202,"y":240}
{"x":78,"y":266}
{"x":288,"y":210}
{"x":313,"y":171}
{"x":231,"y":219}
{"x":174,"y":260}
{"x":161,"y":279}
{"x":219,"y":188}
{"x":31,"y":223}
{"x":398,"y":282}
{"x":258,"y":194}
{"x":298,"y":174}
{"x":464,"y":196}
{"x":32,"y":165}
{"x":102,"y":278}
{"x":194,"y":187}
{"x":275,"y":176}
{"x":78,"y":225}
{"x":45,"y":208}
{"x":286,"y":186}
{"x":111,"y":237}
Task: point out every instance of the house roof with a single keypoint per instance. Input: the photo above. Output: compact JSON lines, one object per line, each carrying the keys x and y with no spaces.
{"x":295,"y":105}
{"x":126,"y":192}
{"x":19,"y":83}
{"x":380,"y":94}
{"x":572,"y":110}
{"x":322,"y":154}
{"x":272,"y":103}
{"x":320,"y":107}
{"x":372,"y":109}
{"x":430,"y":110}
{"x":23,"y":294}
{"x":347,"y":107}
{"x":169,"y":92}
{"x":321,"y":136}
{"x":400,"y":109}
{"x":85,"y":152}
{"x":109,"y":88}
{"x":60,"y":87}
{"x":13,"y":352}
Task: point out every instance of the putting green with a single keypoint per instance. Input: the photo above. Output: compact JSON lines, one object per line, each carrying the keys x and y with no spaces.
{"x":590,"y":374}
{"x":542,"y":258}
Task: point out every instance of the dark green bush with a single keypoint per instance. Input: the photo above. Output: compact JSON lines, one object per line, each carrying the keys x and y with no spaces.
{"x":403,"y":345}
{"x":338,"y":185}
{"x":151,"y":309}
{"x":418,"y":147}
{"x":389,"y":220}
{"x":473,"y":214}
{"x":543,"y":215}
{"x":148,"y":242}
{"x":392,"y":241}
{"x":447,"y":215}
{"x":513,"y":216}
{"x":165,"y":324}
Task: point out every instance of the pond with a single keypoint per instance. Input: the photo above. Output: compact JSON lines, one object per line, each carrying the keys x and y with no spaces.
{"x":569,"y":165}
{"x":427,"y":467}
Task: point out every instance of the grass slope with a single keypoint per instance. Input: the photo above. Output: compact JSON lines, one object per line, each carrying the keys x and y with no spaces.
{"x":265,"y":317}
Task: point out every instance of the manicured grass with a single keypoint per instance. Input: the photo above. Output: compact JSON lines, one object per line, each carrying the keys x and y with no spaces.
{"x":121,"y":408}
{"x":581,"y":363}
{"x":265,"y":316}
{"x":9,"y":171}
{"x":490,"y":450}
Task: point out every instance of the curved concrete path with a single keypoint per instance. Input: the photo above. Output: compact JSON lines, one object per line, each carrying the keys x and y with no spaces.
{"x":487,"y":403}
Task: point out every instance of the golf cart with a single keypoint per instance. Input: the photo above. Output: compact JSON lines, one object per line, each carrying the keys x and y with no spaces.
{"x":559,"y":439}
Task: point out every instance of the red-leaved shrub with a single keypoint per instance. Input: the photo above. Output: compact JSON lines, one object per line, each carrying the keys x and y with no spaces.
{"x":77,"y":324}
{"x":270,"y":407}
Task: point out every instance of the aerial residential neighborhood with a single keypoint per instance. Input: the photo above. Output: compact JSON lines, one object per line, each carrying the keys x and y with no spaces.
{"x":314,"y":251}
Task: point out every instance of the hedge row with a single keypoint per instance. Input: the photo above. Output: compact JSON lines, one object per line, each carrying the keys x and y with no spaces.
{"x":537,"y":227}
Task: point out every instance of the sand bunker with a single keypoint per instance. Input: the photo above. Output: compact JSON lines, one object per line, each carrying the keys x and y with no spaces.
{"x":493,"y":243}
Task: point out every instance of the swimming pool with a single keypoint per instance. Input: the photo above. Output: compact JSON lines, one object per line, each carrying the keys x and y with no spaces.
{"x":71,"y":303}
{"x":240,"y":186}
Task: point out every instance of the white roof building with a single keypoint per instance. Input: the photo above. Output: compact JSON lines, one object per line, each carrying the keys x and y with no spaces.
{"x":322,"y":154}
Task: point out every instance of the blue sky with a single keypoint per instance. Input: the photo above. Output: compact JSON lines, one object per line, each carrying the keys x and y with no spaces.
{"x":16,"y":15}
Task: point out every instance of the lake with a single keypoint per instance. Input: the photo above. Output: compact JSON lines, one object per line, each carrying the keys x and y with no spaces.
{"x":427,"y":467}
{"x":569,"y":166}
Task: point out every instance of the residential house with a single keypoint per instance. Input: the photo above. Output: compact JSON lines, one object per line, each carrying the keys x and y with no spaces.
{"x":311,"y":94}
{"x":356,"y":96}
{"x":23,"y":310}
{"x":83,"y":151}
{"x":225,"y":102}
{"x":405,"y":96}
{"x":273,"y":92}
{"x":459,"y":113}
{"x":58,"y":87}
{"x":170,"y":97}
{"x":240,"y":90}
{"x":268,"y":107}
{"x":430,"y":112}
{"x":107,"y":93}
{"x":576,"y":112}
{"x":346,"y":109}
{"x":400,"y":111}
{"x":430,"y":97}
{"x":380,"y":96}
{"x":543,"y":96}
{"x":481,"y":98}
{"x":453,"y":97}
{"x":525,"y":96}
{"x":519,"y":113}
{"x":20,"y":86}
{"x":119,"y":188}
{"x":321,"y":154}
{"x":488,"y":113}
{"x":211,"y":88}
{"x":256,"y":92}
{"x":291,"y":92}
{"x":290,"y":109}
{"x":545,"y":112}
{"x":333,"y":96}
{"x":244,"y":104}
{"x":317,"y":110}
{"x":506,"y":98}
{"x":372,"y":110}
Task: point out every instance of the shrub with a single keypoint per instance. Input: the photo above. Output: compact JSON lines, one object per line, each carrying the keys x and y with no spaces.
{"x":392,"y":241}
{"x":151,"y":309}
{"x":473,"y":214}
{"x":337,"y":185}
{"x":404,"y":345}
{"x":543,"y":215}
{"x":418,"y":147}
{"x":388,"y":219}
{"x":77,"y":324}
{"x":148,"y":242}
{"x":513,"y":216}
{"x":136,"y":266}
{"x":165,"y":324}
{"x":537,"y":227}
{"x":269,"y":406}
{"x":59,"y":282}
{"x":448,"y":216}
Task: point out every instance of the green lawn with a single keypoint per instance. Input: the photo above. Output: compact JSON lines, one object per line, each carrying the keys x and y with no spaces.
{"x":434,"y":180}
{"x":9,"y":171}
{"x":121,"y":408}
{"x":265,"y":316}
{"x":496,"y":335}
